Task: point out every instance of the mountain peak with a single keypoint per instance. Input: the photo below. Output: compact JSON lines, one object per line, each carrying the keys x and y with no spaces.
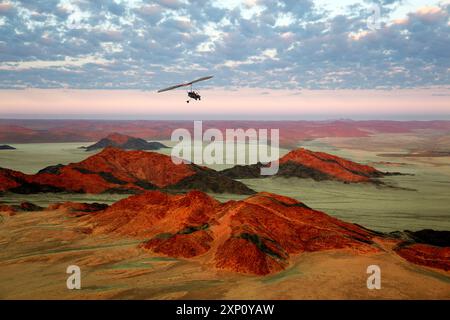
{"x":123,"y":141}
{"x":118,"y":138}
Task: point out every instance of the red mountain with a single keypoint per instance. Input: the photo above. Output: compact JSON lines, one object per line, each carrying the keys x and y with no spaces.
{"x":10,"y":179}
{"x":256,"y":235}
{"x":425,"y":247}
{"x":154,"y":212}
{"x":115,"y":170}
{"x":130,"y":167}
{"x":330,"y":165}
{"x":304,"y":163}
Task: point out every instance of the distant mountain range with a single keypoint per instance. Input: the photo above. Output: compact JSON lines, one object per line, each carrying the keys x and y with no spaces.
{"x":26,"y":131}
{"x":122,"y":141}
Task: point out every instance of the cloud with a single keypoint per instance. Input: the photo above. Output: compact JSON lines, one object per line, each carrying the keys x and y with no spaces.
{"x":290,"y":44}
{"x":172,"y":4}
{"x":150,"y":13}
{"x":5,"y":8}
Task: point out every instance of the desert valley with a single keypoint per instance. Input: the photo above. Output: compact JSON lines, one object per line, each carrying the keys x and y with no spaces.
{"x":105,"y":196}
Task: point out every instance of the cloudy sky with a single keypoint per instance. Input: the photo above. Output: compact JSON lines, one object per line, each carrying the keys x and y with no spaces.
{"x":270,"y":59}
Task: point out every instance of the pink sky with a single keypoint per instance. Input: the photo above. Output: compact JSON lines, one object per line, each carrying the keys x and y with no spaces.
{"x":248,"y":103}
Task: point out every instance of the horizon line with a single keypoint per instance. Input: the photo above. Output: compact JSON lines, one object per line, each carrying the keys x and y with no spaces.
{"x":268,"y":118}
